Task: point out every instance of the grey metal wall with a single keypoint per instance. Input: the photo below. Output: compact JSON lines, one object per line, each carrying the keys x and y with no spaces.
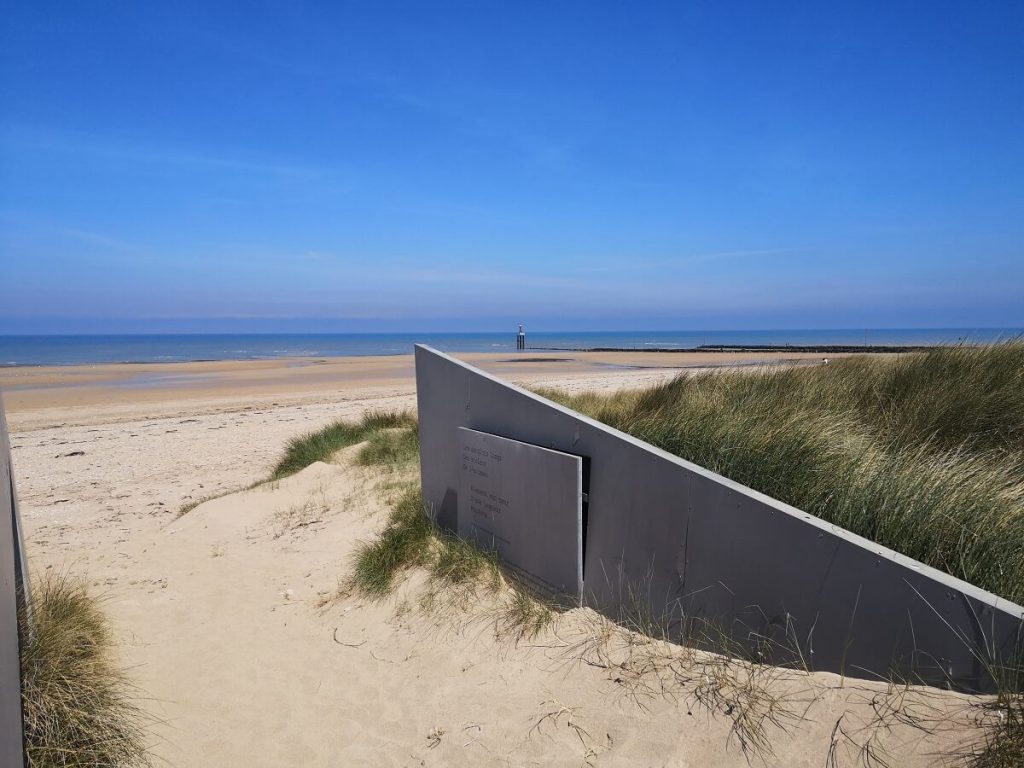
{"x":668,"y":537}
{"x":13,"y":588}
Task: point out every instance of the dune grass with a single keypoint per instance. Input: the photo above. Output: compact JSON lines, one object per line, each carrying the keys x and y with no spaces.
{"x":77,"y":704}
{"x":404,"y":543}
{"x":411,"y":538}
{"x":458,"y":571}
{"x":391,"y":437}
{"x":318,"y":446}
{"x":923,"y":453}
{"x":391,"y":448}
{"x":1004,"y":742}
{"x":188,"y":506}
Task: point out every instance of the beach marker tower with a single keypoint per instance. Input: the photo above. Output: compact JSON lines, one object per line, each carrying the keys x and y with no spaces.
{"x":521,"y":338}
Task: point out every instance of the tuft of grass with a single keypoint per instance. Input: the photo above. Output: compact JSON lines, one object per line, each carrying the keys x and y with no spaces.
{"x":188,"y":506}
{"x":458,"y":571}
{"x":298,"y":516}
{"x":391,"y":448}
{"x":524,"y":614}
{"x":1002,"y":718}
{"x":318,"y":446}
{"x":406,"y":541}
{"x":76,"y":702}
{"x":1004,"y":745}
{"x":923,"y":453}
{"x":392,"y":441}
{"x":458,"y":562}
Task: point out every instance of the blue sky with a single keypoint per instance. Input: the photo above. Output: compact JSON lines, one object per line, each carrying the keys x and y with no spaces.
{"x":457,"y":166}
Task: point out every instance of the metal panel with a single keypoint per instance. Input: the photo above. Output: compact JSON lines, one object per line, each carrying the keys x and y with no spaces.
{"x":12,"y":571}
{"x":525,"y":503}
{"x":667,"y":537}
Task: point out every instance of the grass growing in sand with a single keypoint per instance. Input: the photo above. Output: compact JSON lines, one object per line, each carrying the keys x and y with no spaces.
{"x":464,"y":582}
{"x":391,"y":448}
{"x":458,"y":572}
{"x":1004,"y":744}
{"x":320,"y":445}
{"x":923,"y":453}
{"x":76,"y":702}
{"x":404,"y":542}
{"x":391,"y":437}
{"x":188,"y":506}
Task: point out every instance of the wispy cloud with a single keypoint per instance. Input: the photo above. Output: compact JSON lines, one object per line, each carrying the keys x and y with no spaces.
{"x":96,"y":238}
{"x":493,"y":278}
{"x":23,"y":222}
{"x":79,"y":144}
{"x":632,"y":265}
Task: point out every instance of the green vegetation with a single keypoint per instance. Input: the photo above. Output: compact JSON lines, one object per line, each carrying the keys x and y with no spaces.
{"x":923,"y":453}
{"x":404,"y":542}
{"x":318,"y":446}
{"x":392,"y":442}
{"x":391,"y":448}
{"x":76,"y":702}
{"x":458,"y":571}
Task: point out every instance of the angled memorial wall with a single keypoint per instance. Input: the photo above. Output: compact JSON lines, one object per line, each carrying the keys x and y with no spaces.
{"x":666,"y":537}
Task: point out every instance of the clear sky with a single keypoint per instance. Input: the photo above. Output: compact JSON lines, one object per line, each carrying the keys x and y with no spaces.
{"x":459,"y":166}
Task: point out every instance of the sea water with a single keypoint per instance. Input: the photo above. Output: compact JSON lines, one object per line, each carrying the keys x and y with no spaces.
{"x":154,"y":348}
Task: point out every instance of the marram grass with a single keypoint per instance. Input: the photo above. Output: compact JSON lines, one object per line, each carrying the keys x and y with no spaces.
{"x":460,"y":575}
{"x":318,"y":446}
{"x":77,"y":704}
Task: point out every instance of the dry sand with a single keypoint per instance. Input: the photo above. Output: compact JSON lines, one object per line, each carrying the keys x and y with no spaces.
{"x":219,"y":614}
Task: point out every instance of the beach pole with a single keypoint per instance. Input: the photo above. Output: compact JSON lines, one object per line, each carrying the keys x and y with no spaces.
{"x":521,"y":338}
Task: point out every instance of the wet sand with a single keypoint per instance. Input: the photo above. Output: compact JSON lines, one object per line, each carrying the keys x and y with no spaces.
{"x":40,"y":395}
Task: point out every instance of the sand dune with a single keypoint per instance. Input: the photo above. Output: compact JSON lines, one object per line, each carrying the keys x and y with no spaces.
{"x":247,"y":666}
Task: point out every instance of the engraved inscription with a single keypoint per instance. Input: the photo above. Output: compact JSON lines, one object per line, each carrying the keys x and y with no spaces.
{"x":524,"y":502}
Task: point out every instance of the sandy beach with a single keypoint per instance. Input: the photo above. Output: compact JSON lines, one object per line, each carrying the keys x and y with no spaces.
{"x":223,"y":616}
